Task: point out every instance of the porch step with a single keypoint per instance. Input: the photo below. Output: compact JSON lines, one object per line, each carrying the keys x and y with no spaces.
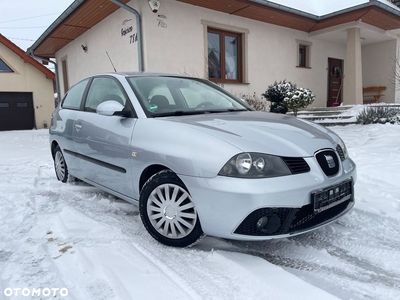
{"x":327,"y":116}
{"x":320,"y":118}
{"x":334,"y":116}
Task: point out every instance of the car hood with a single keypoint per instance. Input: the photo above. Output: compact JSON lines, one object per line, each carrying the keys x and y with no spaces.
{"x":263,"y":132}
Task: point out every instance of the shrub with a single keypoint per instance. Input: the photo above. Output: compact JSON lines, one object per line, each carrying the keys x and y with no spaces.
{"x":276,"y":93}
{"x":298,"y":99}
{"x":255,"y":102}
{"x":379,"y":114}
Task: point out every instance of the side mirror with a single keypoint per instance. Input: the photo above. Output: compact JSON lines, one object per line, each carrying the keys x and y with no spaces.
{"x":112,"y":108}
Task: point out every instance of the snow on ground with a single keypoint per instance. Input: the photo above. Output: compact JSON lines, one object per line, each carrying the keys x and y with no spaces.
{"x":77,"y":237}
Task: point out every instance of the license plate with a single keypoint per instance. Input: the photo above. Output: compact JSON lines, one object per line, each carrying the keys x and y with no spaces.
{"x":332,"y":196}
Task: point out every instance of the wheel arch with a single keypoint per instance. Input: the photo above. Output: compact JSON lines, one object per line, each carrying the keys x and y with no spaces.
{"x":148,"y":172}
{"x":54,"y":145}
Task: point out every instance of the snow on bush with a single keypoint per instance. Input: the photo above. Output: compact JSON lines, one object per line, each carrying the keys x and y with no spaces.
{"x":255,"y":102}
{"x":298,"y":99}
{"x":276,"y":93}
{"x":379,"y":114}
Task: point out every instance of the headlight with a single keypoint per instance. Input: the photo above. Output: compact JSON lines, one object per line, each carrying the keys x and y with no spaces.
{"x":255,"y":165}
{"x":344,"y":149}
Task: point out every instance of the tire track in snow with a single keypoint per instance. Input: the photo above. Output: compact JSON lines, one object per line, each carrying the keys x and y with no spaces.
{"x":118,"y":214}
{"x":179,"y":280}
{"x":359,"y":256}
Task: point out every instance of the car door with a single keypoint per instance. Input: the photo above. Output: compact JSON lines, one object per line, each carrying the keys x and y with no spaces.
{"x":103,"y":142}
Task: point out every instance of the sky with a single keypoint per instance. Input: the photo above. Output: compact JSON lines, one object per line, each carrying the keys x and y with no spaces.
{"x":23,"y":21}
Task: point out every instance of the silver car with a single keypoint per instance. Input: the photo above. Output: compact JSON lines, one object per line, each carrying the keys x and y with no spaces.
{"x":197,"y":160}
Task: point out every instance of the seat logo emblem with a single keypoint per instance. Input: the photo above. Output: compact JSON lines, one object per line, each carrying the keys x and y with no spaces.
{"x":330,"y":161}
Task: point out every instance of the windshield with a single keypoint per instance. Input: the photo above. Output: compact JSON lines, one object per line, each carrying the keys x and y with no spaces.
{"x":164,"y":96}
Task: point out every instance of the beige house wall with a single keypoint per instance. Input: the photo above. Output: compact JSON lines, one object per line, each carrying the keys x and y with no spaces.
{"x":27,"y":78}
{"x":175,"y":42}
{"x":378,"y":60}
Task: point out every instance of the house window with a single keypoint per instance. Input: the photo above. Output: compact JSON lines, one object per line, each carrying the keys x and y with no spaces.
{"x":65,"y":75}
{"x":4,"y":67}
{"x":224,"y":55}
{"x":303,"y":54}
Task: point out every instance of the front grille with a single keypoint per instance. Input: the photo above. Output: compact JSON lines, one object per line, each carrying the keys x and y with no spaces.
{"x":339,"y":150}
{"x":305,"y":217}
{"x":296,"y":164}
{"x":328,"y":161}
{"x":292,"y":219}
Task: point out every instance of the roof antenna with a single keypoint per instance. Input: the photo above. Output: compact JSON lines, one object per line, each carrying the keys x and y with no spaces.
{"x":115,"y":70}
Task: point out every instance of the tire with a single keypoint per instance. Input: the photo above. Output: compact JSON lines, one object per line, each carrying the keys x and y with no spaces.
{"x":168,"y":211}
{"x":60,"y":166}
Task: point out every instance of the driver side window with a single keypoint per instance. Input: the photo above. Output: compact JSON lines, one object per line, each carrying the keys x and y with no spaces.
{"x":101,"y":90}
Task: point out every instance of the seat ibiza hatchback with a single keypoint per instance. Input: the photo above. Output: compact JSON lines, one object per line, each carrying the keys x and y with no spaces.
{"x":197,"y":160}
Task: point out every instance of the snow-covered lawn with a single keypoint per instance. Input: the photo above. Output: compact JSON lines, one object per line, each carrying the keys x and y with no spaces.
{"x":74,"y":236}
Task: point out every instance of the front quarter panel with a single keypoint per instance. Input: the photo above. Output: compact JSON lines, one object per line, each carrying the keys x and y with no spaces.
{"x":184,"y":150}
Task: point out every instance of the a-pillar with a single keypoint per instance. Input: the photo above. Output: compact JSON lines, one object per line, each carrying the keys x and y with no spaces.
{"x":352,"y":86}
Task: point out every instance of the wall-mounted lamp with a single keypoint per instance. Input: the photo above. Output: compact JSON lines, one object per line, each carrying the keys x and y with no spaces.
{"x":84,"y":48}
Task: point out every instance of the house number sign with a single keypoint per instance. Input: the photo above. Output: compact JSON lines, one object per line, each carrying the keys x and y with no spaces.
{"x":127,"y":29}
{"x":161,"y":23}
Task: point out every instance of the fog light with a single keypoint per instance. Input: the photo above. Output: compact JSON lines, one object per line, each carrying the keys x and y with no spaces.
{"x":262,"y":222}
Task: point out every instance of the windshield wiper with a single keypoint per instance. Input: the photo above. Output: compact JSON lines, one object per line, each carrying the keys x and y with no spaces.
{"x":178,"y":113}
{"x":196,"y":112}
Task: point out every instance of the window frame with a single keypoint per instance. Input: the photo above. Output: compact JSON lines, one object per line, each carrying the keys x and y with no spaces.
{"x":305,"y":60}
{"x":243,"y":48}
{"x":223,"y":34}
{"x":302,"y":56}
{"x":10,"y":70}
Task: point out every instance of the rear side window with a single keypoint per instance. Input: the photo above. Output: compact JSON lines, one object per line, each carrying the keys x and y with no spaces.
{"x":74,"y":96}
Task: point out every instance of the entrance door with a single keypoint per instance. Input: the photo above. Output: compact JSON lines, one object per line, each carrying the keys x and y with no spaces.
{"x":335,"y":82}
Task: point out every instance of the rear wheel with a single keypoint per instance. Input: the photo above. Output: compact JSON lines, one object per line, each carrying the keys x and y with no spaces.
{"x":60,"y":166}
{"x":168,"y":211}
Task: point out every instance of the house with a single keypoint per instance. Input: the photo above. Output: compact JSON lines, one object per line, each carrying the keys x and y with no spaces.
{"x":26,"y":89}
{"x":243,"y":45}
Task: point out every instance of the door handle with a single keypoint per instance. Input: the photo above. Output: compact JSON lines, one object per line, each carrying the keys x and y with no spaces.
{"x":78,"y":127}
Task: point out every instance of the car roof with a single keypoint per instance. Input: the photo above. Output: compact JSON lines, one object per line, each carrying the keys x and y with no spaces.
{"x":143,"y":74}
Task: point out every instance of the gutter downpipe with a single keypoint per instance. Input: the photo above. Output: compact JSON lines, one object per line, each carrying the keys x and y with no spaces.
{"x":138,"y":28}
{"x":58,"y":89}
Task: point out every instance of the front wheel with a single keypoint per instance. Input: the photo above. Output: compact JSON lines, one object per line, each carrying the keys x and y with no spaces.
{"x":60,"y":166}
{"x":168,"y":211}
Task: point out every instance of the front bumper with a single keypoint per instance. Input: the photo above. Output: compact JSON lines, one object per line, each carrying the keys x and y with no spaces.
{"x":230,"y":207}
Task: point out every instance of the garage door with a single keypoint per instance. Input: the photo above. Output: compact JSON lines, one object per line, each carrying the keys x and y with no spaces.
{"x":16,"y":111}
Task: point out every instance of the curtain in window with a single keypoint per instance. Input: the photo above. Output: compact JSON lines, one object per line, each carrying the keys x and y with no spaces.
{"x":231,"y":57}
{"x":214,"y":55}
